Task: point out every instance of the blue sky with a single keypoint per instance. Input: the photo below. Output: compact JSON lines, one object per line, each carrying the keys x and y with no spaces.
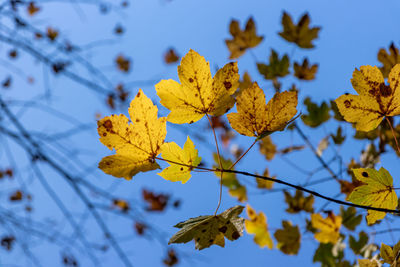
{"x":352,"y":33}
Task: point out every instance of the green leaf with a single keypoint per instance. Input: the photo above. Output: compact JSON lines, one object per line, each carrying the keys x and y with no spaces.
{"x":278,"y":67}
{"x":338,"y":138}
{"x":300,"y":34}
{"x":377,"y":191}
{"x":350,"y":218}
{"x":358,"y":245}
{"x":317,"y":114}
{"x":288,"y":238}
{"x":209,"y":230}
{"x":388,"y":59}
{"x":305,"y":71}
{"x":298,"y":202}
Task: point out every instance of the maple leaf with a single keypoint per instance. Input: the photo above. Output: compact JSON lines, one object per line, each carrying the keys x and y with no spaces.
{"x":265,"y":184}
{"x":198,"y":93}
{"x":388,"y":59}
{"x":390,"y":255}
{"x":257,"y":225}
{"x":52,"y":34}
{"x":329,"y":227}
{"x":377,"y":191}
{"x":305,"y":71}
{"x":242,"y":39}
{"x":299,"y":34}
{"x":338,"y":138}
{"x":123,"y":63}
{"x":375,"y":100}
{"x":288,"y":238}
{"x":156,"y":202}
{"x":350,"y":218}
{"x":298,"y":202}
{"x":277,"y":67}
{"x":32,"y":8}
{"x":255,"y":118}
{"x":244,"y":83}
{"x":209,"y":230}
{"x":171,"y":56}
{"x":267,"y":148}
{"x":137,"y":143}
{"x":186,"y":156}
{"x":317,"y":114}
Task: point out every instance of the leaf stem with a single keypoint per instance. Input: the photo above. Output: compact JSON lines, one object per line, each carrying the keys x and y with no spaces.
{"x":393,"y":133}
{"x":335,"y":200}
{"x":220,"y":164}
{"x":233,"y":165}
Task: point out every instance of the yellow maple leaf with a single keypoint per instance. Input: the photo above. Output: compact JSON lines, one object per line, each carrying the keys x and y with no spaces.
{"x":255,"y":118}
{"x":136,"y":144}
{"x":257,"y":225}
{"x":375,"y":100}
{"x":329,"y":227}
{"x":198,"y":93}
{"x":186,"y":156}
{"x":242,"y":39}
{"x":377,"y":191}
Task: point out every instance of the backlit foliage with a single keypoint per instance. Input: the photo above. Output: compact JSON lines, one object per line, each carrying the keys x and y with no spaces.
{"x":139,"y":141}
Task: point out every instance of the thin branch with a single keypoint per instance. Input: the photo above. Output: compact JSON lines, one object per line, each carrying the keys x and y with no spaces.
{"x":393,"y":133}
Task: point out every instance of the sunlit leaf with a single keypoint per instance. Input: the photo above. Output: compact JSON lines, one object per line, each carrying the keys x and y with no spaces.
{"x":377,"y":191}
{"x":375,"y":99}
{"x":209,"y":230}
{"x":186,"y":156}
{"x":328,"y":227}
{"x":198,"y":93}
{"x":255,"y":118}
{"x":257,"y":225}
{"x":137,"y":143}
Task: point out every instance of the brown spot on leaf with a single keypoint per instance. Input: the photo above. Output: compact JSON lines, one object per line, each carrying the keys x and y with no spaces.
{"x":108,"y":125}
{"x":235,"y":235}
{"x":211,"y":240}
{"x":137,"y":120}
{"x":191,"y":122}
{"x":191,"y":80}
{"x":223,"y":229}
{"x":198,"y":239}
{"x":203,"y":231}
{"x":385,"y":90}
{"x":227,"y":85}
{"x":181,"y":168}
{"x":347,"y":103}
{"x":365,"y":174}
{"x":104,"y":134}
